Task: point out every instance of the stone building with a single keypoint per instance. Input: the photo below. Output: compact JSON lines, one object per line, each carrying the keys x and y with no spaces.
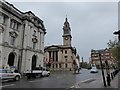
{"x":21,"y":38}
{"x":60,"y":57}
{"x":106,"y":55}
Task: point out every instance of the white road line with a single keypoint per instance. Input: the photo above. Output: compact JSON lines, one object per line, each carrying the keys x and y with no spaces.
{"x":72,"y":87}
{"x":77,"y":84}
{"x":32,"y":81}
{"x":87,"y":80}
{"x":8,"y":85}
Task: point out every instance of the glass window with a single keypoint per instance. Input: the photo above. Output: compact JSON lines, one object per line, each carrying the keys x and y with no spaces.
{"x":65,"y":52}
{"x":34,"y":33}
{"x":34,"y":45}
{"x":59,"y":65}
{"x":56,"y":65}
{"x":4,"y":20}
{"x":66,"y":65}
{"x":14,"y":24}
{"x":12,"y":40}
{"x":53,"y":66}
{"x":8,"y":71}
{"x":65,"y":56}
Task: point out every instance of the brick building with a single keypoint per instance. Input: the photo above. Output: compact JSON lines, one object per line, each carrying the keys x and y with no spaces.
{"x":105,"y":55}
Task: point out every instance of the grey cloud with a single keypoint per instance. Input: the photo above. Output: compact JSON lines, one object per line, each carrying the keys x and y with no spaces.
{"x":92,"y":23}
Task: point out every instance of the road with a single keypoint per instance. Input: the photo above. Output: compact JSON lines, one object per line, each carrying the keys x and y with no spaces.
{"x":61,"y":79}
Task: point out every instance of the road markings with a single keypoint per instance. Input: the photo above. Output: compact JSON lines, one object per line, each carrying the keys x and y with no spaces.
{"x":77,"y":85}
{"x":32,"y":81}
{"x":72,"y":87}
{"x":88,"y":80}
{"x":7,"y":85}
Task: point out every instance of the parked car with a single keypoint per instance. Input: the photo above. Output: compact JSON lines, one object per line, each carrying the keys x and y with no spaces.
{"x":94,"y":70}
{"x":45,"y":72}
{"x":8,"y":75}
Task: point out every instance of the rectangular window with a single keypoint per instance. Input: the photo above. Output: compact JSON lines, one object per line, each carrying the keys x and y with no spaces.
{"x":53,"y":66}
{"x":65,"y":56}
{"x":12,"y":40}
{"x":59,"y":65}
{"x":66,"y":65}
{"x":14,"y":24}
{"x":56,"y":65}
{"x":34,"y":33}
{"x":34,"y":45}
{"x":65,"y":52}
{"x":4,"y":20}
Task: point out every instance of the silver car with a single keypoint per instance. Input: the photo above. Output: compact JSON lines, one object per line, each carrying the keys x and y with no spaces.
{"x":8,"y":74}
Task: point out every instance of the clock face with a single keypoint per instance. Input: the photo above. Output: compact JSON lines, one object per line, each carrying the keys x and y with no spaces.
{"x":66,"y":38}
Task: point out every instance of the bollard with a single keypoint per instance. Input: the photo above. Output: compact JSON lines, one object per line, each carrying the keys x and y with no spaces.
{"x":111,"y":75}
{"x":114,"y":73}
{"x":108,"y":80}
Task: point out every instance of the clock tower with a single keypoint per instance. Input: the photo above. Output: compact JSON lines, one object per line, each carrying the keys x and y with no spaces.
{"x":67,"y":33}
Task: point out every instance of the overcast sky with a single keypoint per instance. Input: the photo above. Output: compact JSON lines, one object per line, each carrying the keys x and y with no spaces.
{"x":92,"y":23}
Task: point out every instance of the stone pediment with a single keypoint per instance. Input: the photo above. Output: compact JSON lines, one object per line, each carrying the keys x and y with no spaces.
{"x":53,"y":47}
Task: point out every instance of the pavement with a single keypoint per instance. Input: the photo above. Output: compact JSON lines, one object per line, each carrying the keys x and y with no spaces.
{"x":98,"y":83}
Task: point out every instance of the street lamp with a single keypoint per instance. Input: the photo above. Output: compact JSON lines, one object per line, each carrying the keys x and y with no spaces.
{"x":102,"y":69}
{"x":117,"y":33}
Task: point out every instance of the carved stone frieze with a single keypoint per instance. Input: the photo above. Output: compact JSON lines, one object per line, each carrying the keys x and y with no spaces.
{"x":34,"y":40}
{"x":13,"y":34}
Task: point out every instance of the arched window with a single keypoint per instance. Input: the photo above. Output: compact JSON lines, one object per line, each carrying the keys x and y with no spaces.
{"x":11,"y":58}
{"x":34,"y":60}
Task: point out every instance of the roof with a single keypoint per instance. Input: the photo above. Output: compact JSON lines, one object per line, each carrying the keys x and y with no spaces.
{"x":59,"y":47}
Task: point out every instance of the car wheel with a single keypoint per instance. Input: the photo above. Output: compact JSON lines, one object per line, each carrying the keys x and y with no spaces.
{"x":17,"y":78}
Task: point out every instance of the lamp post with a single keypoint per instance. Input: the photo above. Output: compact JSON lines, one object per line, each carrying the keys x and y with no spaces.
{"x":118,"y":33}
{"x":102,"y":69}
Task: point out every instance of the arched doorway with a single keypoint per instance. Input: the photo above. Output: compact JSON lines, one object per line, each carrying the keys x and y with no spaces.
{"x":11,"y":58}
{"x":34,"y":62}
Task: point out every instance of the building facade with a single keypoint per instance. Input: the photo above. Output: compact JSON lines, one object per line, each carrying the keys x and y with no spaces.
{"x":60,"y":57}
{"x":21,"y":38}
{"x":106,"y":55}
